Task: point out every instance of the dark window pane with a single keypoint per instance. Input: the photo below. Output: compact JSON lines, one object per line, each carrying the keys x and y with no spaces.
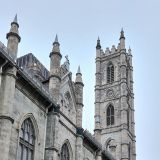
{"x":112,"y":110}
{"x":27,"y":138}
{"x":110,"y":73}
{"x":110,"y":115}
{"x":65,"y":152}
{"x":108,"y":121}
{"x":112,"y":120}
{"x":108,"y":111}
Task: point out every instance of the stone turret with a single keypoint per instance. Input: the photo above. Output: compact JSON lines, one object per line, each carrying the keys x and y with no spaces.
{"x":98,"y":48}
{"x":79,"y":97}
{"x":122,"y":40}
{"x":97,"y":130}
{"x":79,"y":101}
{"x":55,"y":62}
{"x":51,"y":151}
{"x":13,"y":38}
{"x":7,"y":92}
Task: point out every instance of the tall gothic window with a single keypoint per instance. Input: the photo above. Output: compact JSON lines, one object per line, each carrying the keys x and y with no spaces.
{"x":26,"y":141}
{"x":129,"y":151}
{"x":110,"y":115}
{"x":65,"y":152}
{"x":110,"y":73}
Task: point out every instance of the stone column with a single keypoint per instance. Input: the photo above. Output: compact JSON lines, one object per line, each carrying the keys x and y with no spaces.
{"x":55,"y":70}
{"x":7,"y":91}
{"x":79,"y":144}
{"x":124,"y":106}
{"x":1,"y":68}
{"x":52,"y":146}
{"x":133,"y":145}
{"x":79,"y":98}
{"x":97,"y":130}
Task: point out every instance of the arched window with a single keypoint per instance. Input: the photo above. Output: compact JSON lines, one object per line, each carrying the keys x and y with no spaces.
{"x":26,"y":141}
{"x":65,"y":152}
{"x":129,"y":151}
{"x":110,"y":115}
{"x":110,"y":73}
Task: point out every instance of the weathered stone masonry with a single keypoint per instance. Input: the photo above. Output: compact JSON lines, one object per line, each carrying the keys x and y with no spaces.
{"x":41,"y":111}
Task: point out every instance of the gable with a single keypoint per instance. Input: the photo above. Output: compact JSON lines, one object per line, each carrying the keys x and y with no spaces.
{"x":67,"y":99}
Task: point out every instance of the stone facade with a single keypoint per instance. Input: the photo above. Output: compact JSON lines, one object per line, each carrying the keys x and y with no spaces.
{"x":41,"y":111}
{"x":114,"y":87}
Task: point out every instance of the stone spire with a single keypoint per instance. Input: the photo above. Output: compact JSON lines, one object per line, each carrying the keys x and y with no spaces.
{"x":13,"y":38}
{"x":79,"y":70}
{"x":122,"y":34}
{"x":79,"y":97}
{"x":54,"y":89}
{"x":56,"y":45}
{"x":122,"y":40}
{"x":98,"y":44}
{"x":15,"y":19}
{"x":79,"y":76}
{"x":56,"y":39}
{"x":55,"y":63}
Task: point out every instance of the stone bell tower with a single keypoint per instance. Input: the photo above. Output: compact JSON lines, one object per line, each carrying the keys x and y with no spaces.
{"x":114,"y":100}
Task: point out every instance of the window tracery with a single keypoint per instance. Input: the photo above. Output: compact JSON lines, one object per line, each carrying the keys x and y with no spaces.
{"x":110,"y":73}
{"x":65,"y":152}
{"x":110,"y":115}
{"x":26,"y":141}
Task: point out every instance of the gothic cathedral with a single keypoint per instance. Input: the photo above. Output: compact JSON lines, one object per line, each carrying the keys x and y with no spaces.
{"x":41,"y":110}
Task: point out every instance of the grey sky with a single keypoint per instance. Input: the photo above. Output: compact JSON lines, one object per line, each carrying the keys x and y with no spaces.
{"x":78,"y":23}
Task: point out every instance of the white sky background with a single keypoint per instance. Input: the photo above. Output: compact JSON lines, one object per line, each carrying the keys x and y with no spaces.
{"x":78,"y":23}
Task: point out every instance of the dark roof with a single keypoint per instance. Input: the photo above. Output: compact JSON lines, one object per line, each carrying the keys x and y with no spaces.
{"x":92,"y":140}
{"x":96,"y":145}
{"x":27,"y":77}
{"x":29,"y":61}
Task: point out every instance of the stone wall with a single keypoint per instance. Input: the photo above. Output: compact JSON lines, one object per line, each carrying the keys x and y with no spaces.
{"x":23,"y":108}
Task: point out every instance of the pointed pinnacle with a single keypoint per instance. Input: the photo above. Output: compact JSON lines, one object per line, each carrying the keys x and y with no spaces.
{"x":79,"y":76}
{"x":79,"y":70}
{"x":15,"y":19}
{"x":56,"y":38}
{"x":98,"y":44}
{"x":122,"y":30}
{"x":122,"y":33}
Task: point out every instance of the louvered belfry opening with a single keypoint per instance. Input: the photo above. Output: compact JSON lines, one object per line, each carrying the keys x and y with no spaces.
{"x":110,"y":73}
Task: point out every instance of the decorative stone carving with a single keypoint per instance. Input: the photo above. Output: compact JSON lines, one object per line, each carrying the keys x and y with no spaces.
{"x":66,"y":100}
{"x":110,"y":93}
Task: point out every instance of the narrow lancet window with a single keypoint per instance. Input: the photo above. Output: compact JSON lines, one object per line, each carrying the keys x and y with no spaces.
{"x":110,"y":115}
{"x":26,"y":141}
{"x":65,"y":152}
{"x":110,"y":73}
